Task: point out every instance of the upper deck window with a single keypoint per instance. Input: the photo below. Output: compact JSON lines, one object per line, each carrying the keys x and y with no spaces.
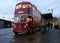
{"x":24,"y":5}
{"x":18,"y":6}
{"x":33,"y":8}
{"x":30,"y":6}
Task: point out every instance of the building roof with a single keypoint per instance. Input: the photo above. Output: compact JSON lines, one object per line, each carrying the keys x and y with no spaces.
{"x":5,"y":20}
{"x":47,"y":16}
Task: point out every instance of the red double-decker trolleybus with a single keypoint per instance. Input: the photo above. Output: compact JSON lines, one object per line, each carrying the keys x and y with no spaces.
{"x":26,"y":18}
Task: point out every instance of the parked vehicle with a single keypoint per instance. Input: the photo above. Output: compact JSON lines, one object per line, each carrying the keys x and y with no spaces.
{"x":27,"y":18}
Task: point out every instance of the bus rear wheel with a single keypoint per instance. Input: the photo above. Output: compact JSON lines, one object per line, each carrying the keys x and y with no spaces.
{"x":30,"y":29}
{"x":16,"y":33}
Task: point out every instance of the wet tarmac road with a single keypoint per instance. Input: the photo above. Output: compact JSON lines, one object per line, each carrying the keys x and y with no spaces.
{"x":49,"y":37}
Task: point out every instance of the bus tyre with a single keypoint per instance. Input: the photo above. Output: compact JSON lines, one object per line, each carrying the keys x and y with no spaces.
{"x":30,"y":29}
{"x":16,"y":33}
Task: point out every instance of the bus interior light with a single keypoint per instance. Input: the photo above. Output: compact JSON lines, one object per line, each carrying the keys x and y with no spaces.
{"x":29,"y":19}
{"x":24,"y":7}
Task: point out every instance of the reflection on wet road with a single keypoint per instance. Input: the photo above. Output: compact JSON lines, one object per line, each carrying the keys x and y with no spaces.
{"x":33,"y":38}
{"x":48,"y":37}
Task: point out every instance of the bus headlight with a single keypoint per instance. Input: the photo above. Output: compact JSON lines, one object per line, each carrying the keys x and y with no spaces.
{"x":14,"y":26}
{"x":24,"y":26}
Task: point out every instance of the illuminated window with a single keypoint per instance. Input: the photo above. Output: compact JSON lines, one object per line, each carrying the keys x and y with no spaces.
{"x":29,"y":19}
{"x":30,"y":6}
{"x":19,"y":6}
{"x":35,"y":19}
{"x":33,"y":8}
{"x":25,"y":6}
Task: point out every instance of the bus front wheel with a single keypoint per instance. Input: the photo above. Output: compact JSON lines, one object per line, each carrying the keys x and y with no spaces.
{"x":30,"y":29}
{"x":16,"y":33}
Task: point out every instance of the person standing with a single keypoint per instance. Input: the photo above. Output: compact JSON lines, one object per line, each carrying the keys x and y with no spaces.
{"x":51,"y":26}
{"x":48,"y":25}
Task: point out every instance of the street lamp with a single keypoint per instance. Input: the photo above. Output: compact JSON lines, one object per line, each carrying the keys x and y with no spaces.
{"x":51,"y":11}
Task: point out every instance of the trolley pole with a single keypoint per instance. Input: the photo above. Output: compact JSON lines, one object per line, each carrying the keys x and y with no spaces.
{"x":53,"y":22}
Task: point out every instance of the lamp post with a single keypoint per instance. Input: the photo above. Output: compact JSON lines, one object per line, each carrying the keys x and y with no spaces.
{"x":51,"y":11}
{"x":53,"y":21}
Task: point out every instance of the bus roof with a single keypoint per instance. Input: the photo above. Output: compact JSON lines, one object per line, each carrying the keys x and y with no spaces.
{"x":24,"y":3}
